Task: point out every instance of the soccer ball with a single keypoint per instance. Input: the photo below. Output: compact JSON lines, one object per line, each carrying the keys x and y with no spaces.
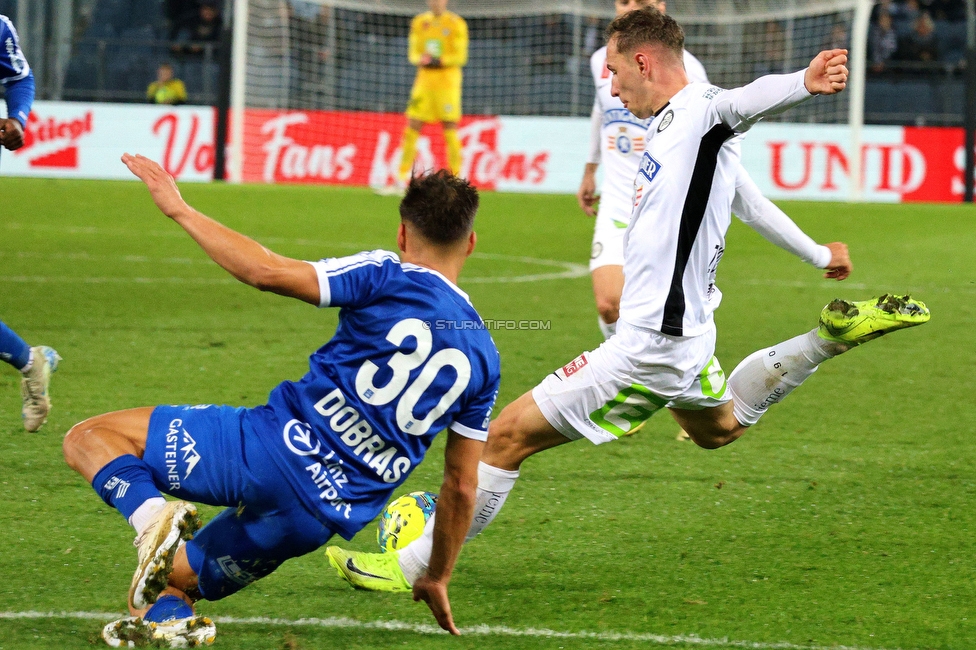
{"x":403,"y":520}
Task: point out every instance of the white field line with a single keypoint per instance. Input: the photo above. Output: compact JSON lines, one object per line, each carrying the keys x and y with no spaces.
{"x":564,"y":270}
{"x":477,"y":630}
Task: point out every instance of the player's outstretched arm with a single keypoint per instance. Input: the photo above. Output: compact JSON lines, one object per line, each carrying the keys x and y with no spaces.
{"x":241,"y":256}
{"x":455,"y":509}
{"x":740,"y":108}
{"x":763,"y":216}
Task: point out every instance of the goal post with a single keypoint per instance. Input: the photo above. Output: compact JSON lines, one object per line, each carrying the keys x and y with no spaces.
{"x":347,"y":56}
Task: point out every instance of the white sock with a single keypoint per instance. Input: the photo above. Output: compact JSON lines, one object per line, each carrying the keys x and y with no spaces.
{"x":608,"y":329}
{"x":30,"y":363}
{"x":766,"y":377}
{"x":144,"y":513}
{"x":494,"y":484}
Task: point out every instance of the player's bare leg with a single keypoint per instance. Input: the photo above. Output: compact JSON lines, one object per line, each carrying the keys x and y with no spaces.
{"x":608,"y":286}
{"x":453,"y":145}
{"x":107,"y":450}
{"x":519,"y":432}
{"x":768,"y":376}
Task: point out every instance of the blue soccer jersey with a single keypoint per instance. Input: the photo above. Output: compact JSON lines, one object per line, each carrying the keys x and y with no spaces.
{"x":409,"y":358}
{"x":15,"y":74}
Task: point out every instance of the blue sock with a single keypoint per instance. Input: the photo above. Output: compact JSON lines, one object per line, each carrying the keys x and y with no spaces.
{"x":125,"y":484}
{"x":13,"y":349}
{"x":167,"y":608}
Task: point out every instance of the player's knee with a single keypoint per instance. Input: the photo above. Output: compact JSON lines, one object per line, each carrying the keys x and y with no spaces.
{"x":76,"y":444}
{"x":506,"y":440}
{"x":608,"y":308}
{"x":716,"y":438}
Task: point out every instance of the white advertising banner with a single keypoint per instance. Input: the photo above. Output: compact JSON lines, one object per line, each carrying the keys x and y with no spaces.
{"x":82,"y":140}
{"x":510,"y":154}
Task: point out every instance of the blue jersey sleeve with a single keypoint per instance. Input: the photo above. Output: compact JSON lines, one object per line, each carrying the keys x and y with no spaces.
{"x":472,"y":421}
{"x":15,"y":73}
{"x":355,"y":280}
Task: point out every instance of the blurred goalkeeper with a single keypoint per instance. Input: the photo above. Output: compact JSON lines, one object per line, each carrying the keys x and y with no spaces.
{"x":439,"y":49}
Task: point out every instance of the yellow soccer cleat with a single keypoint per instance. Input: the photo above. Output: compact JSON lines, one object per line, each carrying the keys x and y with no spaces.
{"x":370,"y":571}
{"x":853,"y":323}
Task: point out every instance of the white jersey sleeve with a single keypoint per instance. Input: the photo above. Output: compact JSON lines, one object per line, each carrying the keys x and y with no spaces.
{"x":762,"y":215}
{"x":596,"y":129}
{"x":740,"y":108}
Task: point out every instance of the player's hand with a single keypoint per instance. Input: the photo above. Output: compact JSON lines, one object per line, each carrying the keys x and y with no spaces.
{"x":587,"y":196}
{"x":840,"y":262}
{"x":827,"y":74}
{"x":435,"y":595}
{"x":426,"y":59}
{"x":11,"y":134}
{"x":162,"y":186}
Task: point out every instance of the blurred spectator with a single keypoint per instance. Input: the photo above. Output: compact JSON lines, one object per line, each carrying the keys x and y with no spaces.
{"x":773,"y":41}
{"x":204,"y":27}
{"x":951,"y":10}
{"x":167,"y":89}
{"x":882,"y":42}
{"x":838,"y":37}
{"x":920,"y":44}
{"x":908,"y":12}
{"x":179,"y":13}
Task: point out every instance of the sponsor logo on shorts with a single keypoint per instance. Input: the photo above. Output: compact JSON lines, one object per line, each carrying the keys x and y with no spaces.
{"x":575,"y":365}
{"x":233,"y":570}
{"x":180,"y":448}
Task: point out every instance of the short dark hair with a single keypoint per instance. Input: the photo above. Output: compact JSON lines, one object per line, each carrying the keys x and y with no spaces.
{"x":646,"y":26}
{"x":441,"y":206}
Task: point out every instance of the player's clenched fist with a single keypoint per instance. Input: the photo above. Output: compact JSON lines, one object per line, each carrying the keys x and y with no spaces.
{"x":827,"y":74}
{"x":162,"y":186}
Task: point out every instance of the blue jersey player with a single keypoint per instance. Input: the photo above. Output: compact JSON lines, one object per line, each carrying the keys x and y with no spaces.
{"x":35,"y":363}
{"x":325,"y":453}
{"x":18,"y":83}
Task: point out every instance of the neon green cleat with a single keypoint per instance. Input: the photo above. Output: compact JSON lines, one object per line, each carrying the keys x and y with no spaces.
{"x":370,"y":571}
{"x":854,"y":323}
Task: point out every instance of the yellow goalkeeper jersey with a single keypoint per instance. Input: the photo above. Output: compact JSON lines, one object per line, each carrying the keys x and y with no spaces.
{"x":443,"y":37}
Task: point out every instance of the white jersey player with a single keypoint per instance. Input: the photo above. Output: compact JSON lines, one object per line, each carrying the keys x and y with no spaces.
{"x":662,"y":355}
{"x":617,"y":141}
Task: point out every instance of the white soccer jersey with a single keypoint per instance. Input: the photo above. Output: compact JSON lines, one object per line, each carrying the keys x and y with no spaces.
{"x":682,"y":200}
{"x":617,"y":137}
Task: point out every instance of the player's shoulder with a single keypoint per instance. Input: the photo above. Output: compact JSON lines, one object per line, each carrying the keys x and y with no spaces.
{"x":455,"y":18}
{"x":694,"y":68}
{"x":424,"y":17}
{"x":7,"y":30}
{"x":375,"y":258}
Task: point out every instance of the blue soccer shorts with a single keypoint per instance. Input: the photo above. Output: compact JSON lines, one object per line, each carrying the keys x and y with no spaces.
{"x":208,"y":454}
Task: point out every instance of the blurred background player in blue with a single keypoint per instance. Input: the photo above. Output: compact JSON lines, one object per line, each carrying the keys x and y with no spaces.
{"x":35,"y":364}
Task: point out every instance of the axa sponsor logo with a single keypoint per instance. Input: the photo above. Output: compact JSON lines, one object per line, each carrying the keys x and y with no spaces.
{"x":51,"y":142}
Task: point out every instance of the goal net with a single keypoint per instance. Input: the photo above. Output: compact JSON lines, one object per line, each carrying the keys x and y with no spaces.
{"x":525,"y":58}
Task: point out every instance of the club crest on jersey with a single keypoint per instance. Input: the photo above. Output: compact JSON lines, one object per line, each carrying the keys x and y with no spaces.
{"x":649,"y":167}
{"x":666,"y":121}
{"x":623,"y":143}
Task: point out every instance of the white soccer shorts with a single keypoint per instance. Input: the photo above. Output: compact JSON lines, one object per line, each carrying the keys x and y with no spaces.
{"x":608,"y":233}
{"x":604,"y":394}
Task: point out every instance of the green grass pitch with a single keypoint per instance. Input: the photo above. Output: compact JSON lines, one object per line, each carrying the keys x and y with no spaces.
{"x":845,"y":518}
